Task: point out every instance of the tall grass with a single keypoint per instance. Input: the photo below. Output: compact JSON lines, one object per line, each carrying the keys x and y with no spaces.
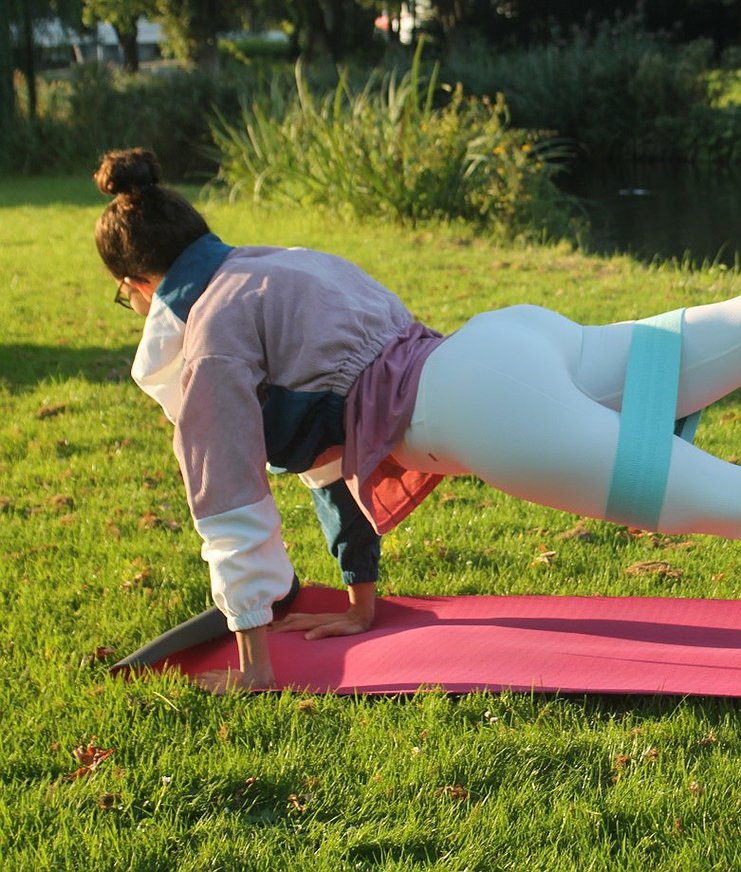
{"x":391,"y":150}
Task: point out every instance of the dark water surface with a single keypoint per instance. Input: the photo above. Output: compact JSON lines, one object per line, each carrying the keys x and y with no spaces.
{"x":660,"y":211}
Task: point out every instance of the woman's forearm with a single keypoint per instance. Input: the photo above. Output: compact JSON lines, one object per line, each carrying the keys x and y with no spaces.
{"x":254,"y":655}
{"x":362,"y":598}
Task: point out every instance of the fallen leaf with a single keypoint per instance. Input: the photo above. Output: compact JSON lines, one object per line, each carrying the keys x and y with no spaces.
{"x":577,"y":532}
{"x":109,"y":801}
{"x":544,"y":556}
{"x":620,"y":762}
{"x":454,"y":791}
{"x":296,"y":802}
{"x":51,"y":411}
{"x":136,"y":579}
{"x":654,"y":567}
{"x":103,"y":651}
{"x":674,"y":544}
{"x":62,"y":501}
{"x":113,"y":529}
{"x":149,"y":521}
{"x":695,"y":788}
{"x":638,"y":533}
{"x":90,"y":757}
{"x":152,"y":480}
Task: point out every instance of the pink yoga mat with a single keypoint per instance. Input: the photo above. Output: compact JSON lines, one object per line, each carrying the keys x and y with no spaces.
{"x":524,"y":643}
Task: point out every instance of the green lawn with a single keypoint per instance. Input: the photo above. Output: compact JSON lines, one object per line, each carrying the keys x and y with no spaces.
{"x":97,"y":555}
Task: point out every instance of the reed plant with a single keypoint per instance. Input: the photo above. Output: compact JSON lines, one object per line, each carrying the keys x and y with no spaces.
{"x":391,"y":149}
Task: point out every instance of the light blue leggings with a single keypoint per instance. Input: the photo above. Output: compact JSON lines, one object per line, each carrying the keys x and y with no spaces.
{"x":529,"y":401}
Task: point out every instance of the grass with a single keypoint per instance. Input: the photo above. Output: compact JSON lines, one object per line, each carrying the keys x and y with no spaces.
{"x":96,"y":553}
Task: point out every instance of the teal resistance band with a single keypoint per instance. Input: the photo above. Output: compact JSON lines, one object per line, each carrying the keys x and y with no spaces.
{"x":647,"y":424}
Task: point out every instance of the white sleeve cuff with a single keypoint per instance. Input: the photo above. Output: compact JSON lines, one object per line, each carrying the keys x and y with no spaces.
{"x":249,"y":566}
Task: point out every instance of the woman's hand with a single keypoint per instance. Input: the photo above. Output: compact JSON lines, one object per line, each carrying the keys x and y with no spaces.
{"x":255,"y":669}
{"x":221,"y":681}
{"x":357,"y":619}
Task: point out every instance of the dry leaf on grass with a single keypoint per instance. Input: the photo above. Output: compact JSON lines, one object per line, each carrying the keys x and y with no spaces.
{"x":296,"y":802}
{"x":545,"y":556}
{"x":51,"y":411}
{"x":654,"y":567}
{"x":109,"y":801}
{"x":150,"y":521}
{"x":112,"y":528}
{"x":578,"y":532}
{"x":453,"y":791}
{"x":90,"y":757}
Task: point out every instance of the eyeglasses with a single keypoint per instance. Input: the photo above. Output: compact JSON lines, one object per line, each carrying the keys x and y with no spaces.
{"x":121,"y":298}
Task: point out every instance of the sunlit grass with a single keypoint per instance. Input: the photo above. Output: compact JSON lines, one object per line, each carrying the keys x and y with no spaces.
{"x":97,"y":553}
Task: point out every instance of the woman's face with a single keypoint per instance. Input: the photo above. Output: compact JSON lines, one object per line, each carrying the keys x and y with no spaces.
{"x":134,"y":294}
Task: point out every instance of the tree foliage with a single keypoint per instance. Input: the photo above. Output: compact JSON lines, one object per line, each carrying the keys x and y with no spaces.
{"x":335,"y":27}
{"x":192,"y":26}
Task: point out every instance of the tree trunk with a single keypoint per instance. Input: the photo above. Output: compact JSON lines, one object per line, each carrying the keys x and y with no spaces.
{"x":333,"y":21}
{"x":29,"y":61}
{"x":127,"y":39}
{"x":207,"y":48}
{"x":7,"y":95}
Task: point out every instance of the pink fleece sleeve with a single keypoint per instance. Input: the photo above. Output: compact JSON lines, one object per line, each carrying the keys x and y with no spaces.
{"x":220,"y":446}
{"x":219,"y":439}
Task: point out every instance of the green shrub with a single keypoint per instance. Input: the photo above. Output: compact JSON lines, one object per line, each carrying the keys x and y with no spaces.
{"x":96,"y":108}
{"x":388,"y":150}
{"x":248,"y":49}
{"x":619,"y":92}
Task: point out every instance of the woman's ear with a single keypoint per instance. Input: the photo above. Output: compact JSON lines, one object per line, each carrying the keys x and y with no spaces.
{"x":145,"y":286}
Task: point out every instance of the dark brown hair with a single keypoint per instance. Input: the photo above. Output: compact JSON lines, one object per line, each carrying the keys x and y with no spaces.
{"x":147,"y":226}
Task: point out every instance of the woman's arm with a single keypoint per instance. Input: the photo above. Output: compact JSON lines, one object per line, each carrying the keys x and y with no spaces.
{"x":357,"y":619}
{"x":255,"y":668}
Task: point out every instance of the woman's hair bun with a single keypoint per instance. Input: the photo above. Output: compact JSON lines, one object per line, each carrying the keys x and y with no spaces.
{"x":127,"y":172}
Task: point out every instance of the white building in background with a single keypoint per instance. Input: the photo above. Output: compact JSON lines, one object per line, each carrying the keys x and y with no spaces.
{"x":105,"y":42}
{"x":60,"y":45}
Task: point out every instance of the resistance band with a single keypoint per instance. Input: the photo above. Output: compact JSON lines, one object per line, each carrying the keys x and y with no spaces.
{"x":647,"y":422}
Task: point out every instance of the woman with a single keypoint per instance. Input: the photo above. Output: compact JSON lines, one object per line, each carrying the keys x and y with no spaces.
{"x":300,"y":361}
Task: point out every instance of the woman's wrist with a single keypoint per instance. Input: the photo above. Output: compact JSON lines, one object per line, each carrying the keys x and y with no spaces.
{"x":253,"y":650}
{"x":362,"y":596}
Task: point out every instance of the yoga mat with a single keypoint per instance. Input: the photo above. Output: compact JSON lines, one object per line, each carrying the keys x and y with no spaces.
{"x":611,"y":645}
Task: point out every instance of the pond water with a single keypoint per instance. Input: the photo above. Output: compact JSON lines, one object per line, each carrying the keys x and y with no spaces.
{"x":660,"y":211}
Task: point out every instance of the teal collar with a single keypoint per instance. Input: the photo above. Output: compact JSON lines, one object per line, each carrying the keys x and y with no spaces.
{"x":191,"y":273}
